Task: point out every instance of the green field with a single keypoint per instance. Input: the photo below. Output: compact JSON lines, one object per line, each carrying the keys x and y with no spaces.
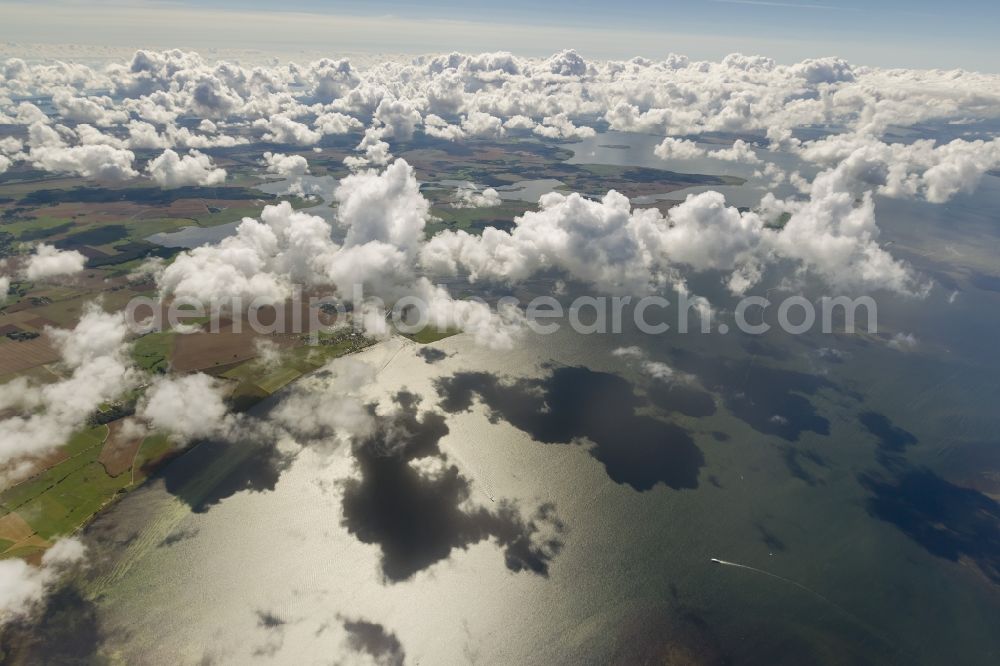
{"x":63,"y":497}
{"x":430,"y":334}
{"x":152,"y":351}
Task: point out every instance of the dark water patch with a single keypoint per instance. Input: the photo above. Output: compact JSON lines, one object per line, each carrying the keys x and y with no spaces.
{"x":892,"y":440}
{"x":985,"y":282}
{"x":667,"y":635}
{"x":720,"y":436}
{"x":38,"y":233}
{"x":176,"y":537}
{"x":793,"y":458}
{"x":948,"y":521}
{"x":571,"y":403}
{"x":417,"y":518}
{"x":274,"y":634}
{"x":431,"y":354}
{"x":129,"y":251}
{"x":771,"y":540}
{"x":770,"y":400}
{"x":376,"y":641}
{"x":140,"y":195}
{"x":213,"y":471}
{"x":269,"y":620}
{"x":67,"y":631}
{"x":96,"y":236}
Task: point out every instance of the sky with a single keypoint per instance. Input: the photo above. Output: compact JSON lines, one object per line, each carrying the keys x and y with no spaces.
{"x":915,"y":33}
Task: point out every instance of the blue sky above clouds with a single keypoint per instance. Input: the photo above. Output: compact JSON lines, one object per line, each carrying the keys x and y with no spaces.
{"x":918,"y":33}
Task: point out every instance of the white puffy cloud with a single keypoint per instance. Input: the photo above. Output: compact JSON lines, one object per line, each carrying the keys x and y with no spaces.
{"x":49,"y":261}
{"x":678,"y":149}
{"x":93,"y":109}
{"x":740,"y":152}
{"x":143,"y":135}
{"x":375,"y":150}
{"x":10,"y":145}
{"x":328,"y":404}
{"x":332,"y":79}
{"x":836,"y":237}
{"x":95,"y":354}
{"x":684,"y":149}
{"x":5,"y":163}
{"x":172,"y":170}
{"x":282,"y":129}
{"x":382,"y":215}
{"x":618,"y":249}
{"x":188,"y":407}
{"x":336,"y":123}
{"x":830,"y":232}
{"x":567,"y":63}
{"x":922,"y":168}
{"x":482,"y":125}
{"x":51,"y":153}
{"x":559,"y":126}
{"x":440,"y":128}
{"x":903,"y":342}
{"x":289,"y":166}
{"x":655,"y":369}
{"x":24,"y":586}
{"x":471,"y":197}
{"x":398,"y":117}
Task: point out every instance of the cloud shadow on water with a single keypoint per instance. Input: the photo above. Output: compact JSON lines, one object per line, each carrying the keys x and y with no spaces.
{"x":66,"y":630}
{"x":892,"y":440}
{"x":412,"y":503}
{"x":214,"y":470}
{"x":949,"y":521}
{"x":770,"y":400}
{"x":572,"y":403}
{"x":375,"y":641}
{"x":431,"y":354}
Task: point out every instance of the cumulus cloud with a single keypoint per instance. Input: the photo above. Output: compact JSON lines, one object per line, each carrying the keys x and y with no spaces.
{"x":482,"y":125}
{"x":740,"y":152}
{"x":918,"y":169}
{"x":49,"y":262}
{"x":188,"y":407}
{"x":50,"y":152}
{"x":172,"y":170}
{"x":382,"y":217}
{"x":903,"y":342}
{"x":11,"y":145}
{"x":336,"y":123}
{"x":24,"y":586}
{"x":471,"y":197}
{"x":655,"y":369}
{"x":678,"y":149}
{"x":828,"y":230}
{"x":603,"y":243}
{"x":328,"y":405}
{"x":398,"y":118}
{"x":95,"y":356}
{"x":288,"y":166}
{"x":618,"y":249}
{"x":282,"y":129}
